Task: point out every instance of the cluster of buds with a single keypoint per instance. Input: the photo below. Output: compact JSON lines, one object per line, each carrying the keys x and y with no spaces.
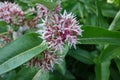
{"x":41,"y":12}
{"x":11,"y":13}
{"x":4,"y":40}
{"x":46,"y":62}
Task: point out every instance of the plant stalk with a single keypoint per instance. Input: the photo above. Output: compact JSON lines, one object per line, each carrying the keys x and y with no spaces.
{"x":117,"y":17}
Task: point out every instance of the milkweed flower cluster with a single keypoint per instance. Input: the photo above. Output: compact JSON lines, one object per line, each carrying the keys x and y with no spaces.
{"x":58,"y":29}
{"x":46,"y":62}
{"x":11,"y":13}
{"x":41,"y":12}
{"x":61,"y":29}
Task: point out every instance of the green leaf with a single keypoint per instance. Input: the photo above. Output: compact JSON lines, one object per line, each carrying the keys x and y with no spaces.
{"x":21,"y":58}
{"x":81,"y":55}
{"x":99,"y":14}
{"x":103,"y":62}
{"x":64,"y":51}
{"x":114,"y":41}
{"x":102,"y":70}
{"x":41,"y":75}
{"x":18,"y":46}
{"x":29,"y":16}
{"x":50,"y":5}
{"x":2,"y":23}
{"x":57,"y":76}
{"x":61,"y":67}
{"x":3,"y":27}
{"x":22,"y":74}
{"x":108,"y":10}
{"x":109,"y":53}
{"x":96,"y":35}
{"x":9,"y":76}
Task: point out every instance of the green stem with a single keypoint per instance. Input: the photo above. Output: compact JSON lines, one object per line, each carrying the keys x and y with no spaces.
{"x":3,"y":33}
{"x":112,"y":25}
{"x":98,"y":5}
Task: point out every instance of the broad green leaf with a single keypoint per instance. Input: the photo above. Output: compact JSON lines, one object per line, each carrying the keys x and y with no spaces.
{"x":21,"y":44}
{"x":96,"y":32}
{"x":41,"y":75}
{"x":81,"y":55}
{"x":114,"y":41}
{"x":109,"y":53}
{"x":21,"y":58}
{"x":95,"y":35}
{"x":102,"y":70}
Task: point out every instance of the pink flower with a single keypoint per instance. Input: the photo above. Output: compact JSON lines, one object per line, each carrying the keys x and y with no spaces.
{"x":11,"y":13}
{"x":42,"y":11}
{"x":61,"y":29}
{"x":47,"y":61}
{"x":4,"y":39}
